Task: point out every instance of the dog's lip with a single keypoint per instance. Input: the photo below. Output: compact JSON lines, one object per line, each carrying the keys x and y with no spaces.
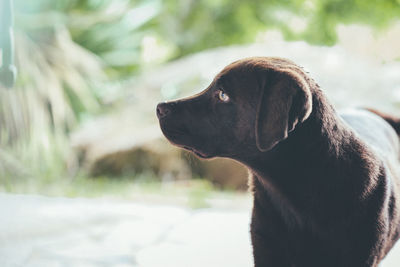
{"x":198,"y":153}
{"x":193,"y":150}
{"x":172,"y":133}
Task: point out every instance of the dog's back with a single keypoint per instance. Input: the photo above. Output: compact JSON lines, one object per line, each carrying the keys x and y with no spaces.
{"x":374,"y":128}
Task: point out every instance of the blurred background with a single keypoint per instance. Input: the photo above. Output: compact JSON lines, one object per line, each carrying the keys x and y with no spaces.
{"x":80,"y":121}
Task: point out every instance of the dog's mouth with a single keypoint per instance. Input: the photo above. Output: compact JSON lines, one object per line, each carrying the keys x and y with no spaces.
{"x":191,"y":149}
{"x":197,"y":153}
{"x":179,"y":137}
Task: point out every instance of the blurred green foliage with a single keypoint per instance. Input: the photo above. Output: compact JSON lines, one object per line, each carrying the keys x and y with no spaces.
{"x":71,"y":52}
{"x":116,"y":30}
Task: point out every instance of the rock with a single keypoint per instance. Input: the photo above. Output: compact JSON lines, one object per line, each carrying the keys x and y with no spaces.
{"x":223,"y":173}
{"x":170,"y":163}
{"x":155,"y":156}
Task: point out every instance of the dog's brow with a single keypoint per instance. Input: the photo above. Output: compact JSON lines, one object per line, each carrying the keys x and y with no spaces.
{"x":218,"y":82}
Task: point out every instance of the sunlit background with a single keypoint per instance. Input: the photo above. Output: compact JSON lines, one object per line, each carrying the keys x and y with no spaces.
{"x":80,"y":121}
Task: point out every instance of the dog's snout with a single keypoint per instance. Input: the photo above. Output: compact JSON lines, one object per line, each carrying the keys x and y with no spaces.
{"x":163,"y":110}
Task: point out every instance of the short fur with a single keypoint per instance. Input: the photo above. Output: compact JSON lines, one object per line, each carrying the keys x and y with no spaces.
{"x":326,"y":188}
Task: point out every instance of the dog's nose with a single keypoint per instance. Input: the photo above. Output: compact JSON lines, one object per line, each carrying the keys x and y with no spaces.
{"x":162,"y":110}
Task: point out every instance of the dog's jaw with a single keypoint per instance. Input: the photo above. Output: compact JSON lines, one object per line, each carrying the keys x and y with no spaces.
{"x":173,"y":135}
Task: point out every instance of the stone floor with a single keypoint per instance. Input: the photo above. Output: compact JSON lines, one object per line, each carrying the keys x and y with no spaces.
{"x":41,"y":231}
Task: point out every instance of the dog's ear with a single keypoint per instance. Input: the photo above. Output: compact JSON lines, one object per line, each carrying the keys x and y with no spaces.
{"x":285,"y":101}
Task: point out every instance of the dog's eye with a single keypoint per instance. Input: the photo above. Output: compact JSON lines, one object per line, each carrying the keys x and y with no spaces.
{"x":222,"y":96}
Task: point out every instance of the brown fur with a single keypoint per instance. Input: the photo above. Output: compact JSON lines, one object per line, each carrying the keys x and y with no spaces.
{"x":326,"y":190}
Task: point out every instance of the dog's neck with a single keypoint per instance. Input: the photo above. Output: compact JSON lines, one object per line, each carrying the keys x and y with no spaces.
{"x":323,"y":138}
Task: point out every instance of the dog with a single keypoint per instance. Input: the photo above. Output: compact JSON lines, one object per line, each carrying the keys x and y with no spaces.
{"x":325,"y":185}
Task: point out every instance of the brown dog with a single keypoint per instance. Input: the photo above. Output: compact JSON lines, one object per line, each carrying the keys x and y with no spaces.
{"x":326,"y":188}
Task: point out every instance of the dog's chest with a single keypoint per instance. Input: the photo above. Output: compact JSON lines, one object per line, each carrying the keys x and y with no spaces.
{"x":303,"y":244}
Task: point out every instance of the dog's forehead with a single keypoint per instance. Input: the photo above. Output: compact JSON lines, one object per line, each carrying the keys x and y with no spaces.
{"x":252,"y":63}
{"x":248,"y":72}
{"x":251,"y":66}
{"x":255,"y":71}
{"x":236,"y":80}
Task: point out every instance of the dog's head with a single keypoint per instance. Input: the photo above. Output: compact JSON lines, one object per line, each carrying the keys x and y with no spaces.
{"x":250,"y":106}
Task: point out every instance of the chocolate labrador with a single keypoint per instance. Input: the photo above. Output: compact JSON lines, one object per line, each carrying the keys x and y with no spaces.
{"x":325,"y":186}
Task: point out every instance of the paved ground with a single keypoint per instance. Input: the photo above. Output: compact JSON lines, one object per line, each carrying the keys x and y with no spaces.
{"x":40,"y":231}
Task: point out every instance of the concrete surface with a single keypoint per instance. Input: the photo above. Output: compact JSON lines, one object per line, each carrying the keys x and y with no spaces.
{"x":41,"y":231}
{"x":46,"y":232}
